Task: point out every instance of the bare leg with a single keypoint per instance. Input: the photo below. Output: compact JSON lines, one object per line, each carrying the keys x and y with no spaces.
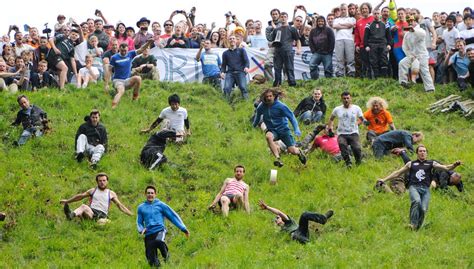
{"x":294,"y":150}
{"x":86,"y":81}
{"x":79,"y":81}
{"x":225,"y":205}
{"x":62,"y":67}
{"x":271,"y":144}
{"x":120,"y":92}
{"x":84,"y":211}
{"x":135,"y":83}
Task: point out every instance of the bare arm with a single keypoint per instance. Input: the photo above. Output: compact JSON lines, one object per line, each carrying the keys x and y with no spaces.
{"x":447,"y":167}
{"x":275,"y":211}
{"x":119,"y":204}
{"x":379,"y":5}
{"x":397,"y":173}
{"x":219,"y":195}
{"x":77,"y":197}
{"x":392,"y":126}
{"x":152,"y":126}
{"x":145,"y":46}
{"x":198,"y":54}
{"x":331,"y":122}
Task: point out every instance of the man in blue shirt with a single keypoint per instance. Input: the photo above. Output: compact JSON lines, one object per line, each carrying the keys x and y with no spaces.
{"x":235,"y":66}
{"x":150,"y":222}
{"x":210,"y":62}
{"x":122,"y":68}
{"x":275,"y":116}
{"x":460,"y":62}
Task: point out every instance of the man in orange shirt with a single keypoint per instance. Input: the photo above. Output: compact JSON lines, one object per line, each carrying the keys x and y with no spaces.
{"x":379,"y":120}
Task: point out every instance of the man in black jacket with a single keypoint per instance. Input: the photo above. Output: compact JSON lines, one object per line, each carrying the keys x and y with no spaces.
{"x":91,"y":138}
{"x":32,"y":118}
{"x":378,"y":40}
{"x":152,"y":153}
{"x":321,"y":43}
{"x":312,"y":108}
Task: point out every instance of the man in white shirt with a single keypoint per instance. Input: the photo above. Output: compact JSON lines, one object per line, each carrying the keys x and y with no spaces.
{"x":451,"y":33}
{"x":349,"y":117}
{"x":345,"y":47}
{"x":174,"y":118}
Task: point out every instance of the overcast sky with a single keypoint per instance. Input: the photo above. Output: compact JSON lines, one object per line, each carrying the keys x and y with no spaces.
{"x":37,"y":12}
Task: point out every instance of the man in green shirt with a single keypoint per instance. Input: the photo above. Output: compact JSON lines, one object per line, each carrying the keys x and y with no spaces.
{"x":144,"y":65}
{"x":300,"y":231}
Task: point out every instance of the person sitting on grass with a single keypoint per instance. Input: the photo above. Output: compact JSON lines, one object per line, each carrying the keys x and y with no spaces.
{"x":88,"y":73}
{"x":33,"y":119}
{"x":234,"y":193}
{"x":377,"y":117}
{"x":300,"y":231}
{"x":98,"y":207}
{"x":311,"y":109}
{"x":275,"y":116}
{"x":91,"y":138}
{"x":174,"y":118}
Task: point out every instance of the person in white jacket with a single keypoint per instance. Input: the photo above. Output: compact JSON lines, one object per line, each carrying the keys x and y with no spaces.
{"x":416,"y":56}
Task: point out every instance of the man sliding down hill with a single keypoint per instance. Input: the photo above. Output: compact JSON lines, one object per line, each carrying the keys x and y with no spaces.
{"x":98,"y":207}
{"x":275,"y":116}
{"x":152,"y":153}
{"x":300,"y":231}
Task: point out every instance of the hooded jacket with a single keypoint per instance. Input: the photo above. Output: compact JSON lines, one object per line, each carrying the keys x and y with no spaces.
{"x":95,"y":134}
{"x":322,"y":39}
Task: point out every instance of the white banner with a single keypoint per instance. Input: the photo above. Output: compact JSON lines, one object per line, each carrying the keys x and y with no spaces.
{"x":180,"y":64}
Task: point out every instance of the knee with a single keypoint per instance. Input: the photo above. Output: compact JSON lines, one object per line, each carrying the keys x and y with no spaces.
{"x":100,"y":148}
{"x":225,"y":200}
{"x":269,"y":136}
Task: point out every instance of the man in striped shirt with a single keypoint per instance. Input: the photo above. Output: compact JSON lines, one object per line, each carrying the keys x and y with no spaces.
{"x":234,"y":193}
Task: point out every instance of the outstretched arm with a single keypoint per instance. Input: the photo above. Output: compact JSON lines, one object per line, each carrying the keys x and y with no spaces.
{"x":119,"y":204}
{"x":152,"y":126}
{"x":275,"y":211}
{"x":77,"y":197}
{"x":447,"y":167}
{"x":397,"y":173}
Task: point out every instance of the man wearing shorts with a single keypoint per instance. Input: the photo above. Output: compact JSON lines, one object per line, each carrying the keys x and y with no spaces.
{"x":122,"y":68}
{"x":98,"y":207}
{"x":275,"y":116}
{"x":234,"y":193}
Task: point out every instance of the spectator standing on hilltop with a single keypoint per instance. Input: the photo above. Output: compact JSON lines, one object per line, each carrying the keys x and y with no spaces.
{"x":283,"y":37}
{"x":344,"y":48}
{"x":151,"y":216}
{"x":210,"y":63}
{"x":377,"y":42}
{"x":321,"y":43}
{"x":235,"y":67}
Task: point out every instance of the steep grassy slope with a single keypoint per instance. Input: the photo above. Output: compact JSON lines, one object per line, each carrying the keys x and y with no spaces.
{"x":367,"y":230}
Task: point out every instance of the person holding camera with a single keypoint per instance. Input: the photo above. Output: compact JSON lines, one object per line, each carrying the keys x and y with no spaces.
{"x":32,"y":118}
{"x":416,"y":56}
{"x":420,"y":176}
{"x":459,"y":60}
{"x":283,"y":37}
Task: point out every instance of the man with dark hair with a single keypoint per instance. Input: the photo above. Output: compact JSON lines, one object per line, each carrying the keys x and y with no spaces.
{"x":144,"y":65}
{"x":233,"y":193}
{"x":459,"y":60}
{"x":344,"y":47}
{"x":275,"y":21}
{"x":152,"y":153}
{"x":210,"y":63}
{"x":377,"y":42}
{"x":174,"y":118}
{"x":122,"y":68}
{"x":32,"y":118}
{"x":91,"y":139}
{"x":419,"y":181}
{"x":275,"y":116}
{"x":150,"y":222}
{"x":300,"y":231}
{"x":235,"y":67}
{"x":99,"y":201}
{"x":321,"y":43}
{"x":61,"y":56}
{"x":283,"y":37}
{"x":101,"y":34}
{"x":349,"y":117}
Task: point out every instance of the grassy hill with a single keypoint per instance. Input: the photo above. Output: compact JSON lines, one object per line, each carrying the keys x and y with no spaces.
{"x":367,"y":230}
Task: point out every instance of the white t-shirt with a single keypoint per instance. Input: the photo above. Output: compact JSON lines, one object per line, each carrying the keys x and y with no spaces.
{"x":84,"y":71}
{"x":449,"y":38}
{"x":467,"y":34}
{"x":347,"y":119}
{"x":344,"y":33}
{"x":176,"y":118}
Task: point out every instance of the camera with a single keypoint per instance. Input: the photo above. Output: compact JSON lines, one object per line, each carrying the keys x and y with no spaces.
{"x":46,"y":30}
{"x":454,"y":50}
{"x":97,"y":12}
{"x":228,"y":14}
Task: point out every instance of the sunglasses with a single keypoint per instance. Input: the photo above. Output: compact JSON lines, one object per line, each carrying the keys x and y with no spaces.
{"x":168,"y":25}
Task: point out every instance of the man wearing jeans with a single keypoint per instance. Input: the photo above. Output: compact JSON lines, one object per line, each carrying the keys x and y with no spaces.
{"x":321,"y":43}
{"x":31,"y":117}
{"x":419,"y":180}
{"x":235,"y":66}
{"x":151,"y":223}
{"x":349,"y":117}
{"x":91,"y":138}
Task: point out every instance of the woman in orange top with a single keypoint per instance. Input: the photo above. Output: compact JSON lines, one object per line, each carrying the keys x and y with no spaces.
{"x":379,"y":120}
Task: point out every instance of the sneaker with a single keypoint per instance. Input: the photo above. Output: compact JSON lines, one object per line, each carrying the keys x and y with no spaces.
{"x":67,"y":211}
{"x":80,"y":157}
{"x":329,"y":214}
{"x":278,"y":163}
{"x":93,"y":165}
{"x":460,"y":186}
{"x":405,"y":85}
{"x":302,"y":157}
{"x":349,"y":165}
{"x":306,"y":121}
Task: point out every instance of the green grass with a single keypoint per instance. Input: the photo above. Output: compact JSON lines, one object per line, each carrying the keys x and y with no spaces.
{"x":367,"y":230}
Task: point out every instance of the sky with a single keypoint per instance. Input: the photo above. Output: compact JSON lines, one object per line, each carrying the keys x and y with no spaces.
{"x":37,"y":13}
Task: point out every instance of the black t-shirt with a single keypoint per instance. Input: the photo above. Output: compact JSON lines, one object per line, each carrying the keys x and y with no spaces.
{"x":65,"y":46}
{"x":421,"y":173}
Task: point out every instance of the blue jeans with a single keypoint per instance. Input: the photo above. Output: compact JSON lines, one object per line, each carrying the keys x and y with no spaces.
{"x":316,"y":60}
{"x":420,"y":198}
{"x":27,"y":133}
{"x":235,"y":77}
{"x":308,"y":117}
